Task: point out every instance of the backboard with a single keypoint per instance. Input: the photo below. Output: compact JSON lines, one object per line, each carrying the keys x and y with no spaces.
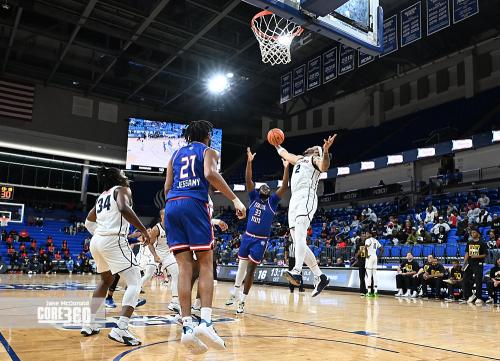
{"x":13,"y":211}
{"x":355,"y":23}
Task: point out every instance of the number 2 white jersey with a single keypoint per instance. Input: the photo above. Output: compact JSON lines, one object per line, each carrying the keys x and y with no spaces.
{"x":305,"y":176}
{"x":161,"y":241}
{"x":372,"y":245}
{"x":110,"y":221}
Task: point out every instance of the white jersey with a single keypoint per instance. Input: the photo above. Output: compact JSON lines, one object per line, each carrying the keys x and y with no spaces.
{"x":161,"y":245}
{"x":110,"y":221}
{"x":372,"y":245}
{"x":305,"y":176}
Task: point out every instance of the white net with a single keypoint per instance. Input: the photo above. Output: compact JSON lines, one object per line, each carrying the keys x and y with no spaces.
{"x":4,"y":221}
{"x":275,"y":36}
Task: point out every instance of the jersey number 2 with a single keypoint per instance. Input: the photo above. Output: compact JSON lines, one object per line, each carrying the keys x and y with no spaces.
{"x":103,"y":204}
{"x":185,"y":165}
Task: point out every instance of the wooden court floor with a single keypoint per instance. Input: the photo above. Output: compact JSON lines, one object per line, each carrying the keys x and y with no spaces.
{"x":277,"y":326}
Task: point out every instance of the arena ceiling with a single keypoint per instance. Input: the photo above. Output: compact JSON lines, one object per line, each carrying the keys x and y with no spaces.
{"x":158,"y":53}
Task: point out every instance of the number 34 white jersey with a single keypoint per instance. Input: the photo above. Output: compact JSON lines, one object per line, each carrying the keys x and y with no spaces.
{"x":110,"y":221}
{"x":305,"y":176}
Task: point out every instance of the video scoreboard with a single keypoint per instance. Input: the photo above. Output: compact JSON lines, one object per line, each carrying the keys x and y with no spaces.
{"x":6,"y":192}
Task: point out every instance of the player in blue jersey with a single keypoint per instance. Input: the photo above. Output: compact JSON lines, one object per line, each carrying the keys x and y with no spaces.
{"x":261,"y":211}
{"x":188,"y":228}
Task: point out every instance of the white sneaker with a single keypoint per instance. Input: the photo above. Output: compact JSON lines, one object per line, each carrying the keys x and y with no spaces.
{"x":479,"y":301}
{"x":231,"y":300}
{"x":489,"y":300}
{"x":88,"y":330}
{"x":123,"y":336}
{"x":407,"y":294}
{"x":399,"y":294}
{"x":420,"y":293}
{"x":207,"y":334}
{"x":191,"y":342}
{"x":471,"y":299}
{"x":241,"y":308}
{"x":174,"y":306}
{"x":414,"y":294}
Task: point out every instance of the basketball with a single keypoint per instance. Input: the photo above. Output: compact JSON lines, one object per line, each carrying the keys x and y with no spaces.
{"x":275,"y":136}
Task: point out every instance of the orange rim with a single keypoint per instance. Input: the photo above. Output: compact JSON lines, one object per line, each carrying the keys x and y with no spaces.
{"x":264,"y":35}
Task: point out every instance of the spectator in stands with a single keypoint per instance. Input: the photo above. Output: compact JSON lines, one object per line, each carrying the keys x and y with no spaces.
{"x":451,"y":209}
{"x":355,"y":222}
{"x":39,"y":221}
{"x":340,"y":262}
{"x":475,"y":253}
{"x":440,"y":231}
{"x":412,"y":237}
{"x":22,"y":247}
{"x":453,"y":219}
{"x":324,"y":231}
{"x":50,"y":250}
{"x":433,"y":277}
{"x":495,"y":224}
{"x":422,"y":235}
{"x":491,"y":242}
{"x":483,"y":218}
{"x":368,"y":216}
{"x":34,"y":264}
{"x":431,"y":213}
{"x":33,"y":246}
{"x":494,"y":283}
{"x":455,"y":281}
{"x":463,"y":227}
{"x":50,"y":241}
{"x":405,"y":282}
{"x":58,"y":256}
{"x":420,"y":276}
{"x":46,"y":263}
{"x":24,"y":236}
{"x":483,"y":201}
{"x":473,"y":214}
{"x":85,"y":265}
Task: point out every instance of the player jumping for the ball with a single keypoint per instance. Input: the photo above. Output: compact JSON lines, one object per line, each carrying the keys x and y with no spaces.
{"x":303,"y":204}
{"x":261,"y":211}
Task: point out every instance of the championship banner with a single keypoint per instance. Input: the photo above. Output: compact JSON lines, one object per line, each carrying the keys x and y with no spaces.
{"x":390,"y":35}
{"x":314,"y":73}
{"x":364,"y":59}
{"x":286,"y":87}
{"x":411,"y":24}
{"x":330,"y":65}
{"x":347,"y":59}
{"x":464,"y":9}
{"x":438,"y":15}
{"x":299,"y":80}
{"x":340,"y":278}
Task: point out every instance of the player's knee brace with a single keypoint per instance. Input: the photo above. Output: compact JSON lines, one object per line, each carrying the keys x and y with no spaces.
{"x":132,"y":278}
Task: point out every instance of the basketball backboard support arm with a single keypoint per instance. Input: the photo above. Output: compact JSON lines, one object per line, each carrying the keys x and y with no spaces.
{"x":369,"y":42}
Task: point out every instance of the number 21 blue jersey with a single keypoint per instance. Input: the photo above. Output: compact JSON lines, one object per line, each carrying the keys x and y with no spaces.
{"x":189,"y":175}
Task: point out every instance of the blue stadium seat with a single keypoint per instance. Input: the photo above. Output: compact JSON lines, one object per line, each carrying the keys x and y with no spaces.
{"x":387,"y":251}
{"x":452,"y":240}
{"x":461,"y":249}
{"x":452,"y":233}
{"x":428,"y":249}
{"x":405,"y":249}
{"x":451,"y":250}
{"x":439,"y":250}
{"x":417,"y":250}
{"x":396,"y":251}
{"x":429,"y":226}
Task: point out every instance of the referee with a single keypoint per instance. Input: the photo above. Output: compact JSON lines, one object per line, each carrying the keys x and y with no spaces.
{"x":290,"y":254}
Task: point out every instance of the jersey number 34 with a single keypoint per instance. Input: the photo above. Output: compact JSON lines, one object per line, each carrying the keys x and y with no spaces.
{"x":103,"y":204}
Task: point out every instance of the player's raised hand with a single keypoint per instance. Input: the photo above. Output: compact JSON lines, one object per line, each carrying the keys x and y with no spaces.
{"x":146,"y":239}
{"x":328,"y":143}
{"x":223,"y":226}
{"x":250,"y":155}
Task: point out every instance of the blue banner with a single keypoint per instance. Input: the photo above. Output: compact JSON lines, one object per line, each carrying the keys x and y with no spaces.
{"x":286,"y":87}
{"x":364,"y":59}
{"x":438,"y":15}
{"x":330,"y":65}
{"x":299,"y":80}
{"x":347,"y":59}
{"x":411,"y":24}
{"x":463,"y":9}
{"x":390,"y":35}
{"x":314,"y":73}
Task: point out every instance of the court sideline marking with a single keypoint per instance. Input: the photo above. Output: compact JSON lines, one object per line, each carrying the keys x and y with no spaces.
{"x":10,"y":351}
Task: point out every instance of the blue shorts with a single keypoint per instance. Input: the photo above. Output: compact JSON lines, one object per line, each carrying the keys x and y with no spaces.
{"x":188,"y":225}
{"x":252,"y":248}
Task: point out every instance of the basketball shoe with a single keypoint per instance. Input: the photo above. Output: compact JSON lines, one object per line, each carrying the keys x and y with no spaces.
{"x":207,"y":334}
{"x":123,"y":336}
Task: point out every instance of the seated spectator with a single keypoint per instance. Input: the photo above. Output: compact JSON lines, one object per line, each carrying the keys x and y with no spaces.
{"x":405,"y":282}
{"x":22,"y":247}
{"x":422,"y":235}
{"x":39,"y":221}
{"x":431,"y":213}
{"x":442,"y":236}
{"x":455,"y":281}
{"x":433,"y":277}
{"x":24,"y":236}
{"x":9,"y":241}
{"x":58,"y":256}
{"x":453,"y":219}
{"x":483,"y":218}
{"x":494,"y":283}
{"x":33,"y":246}
{"x":483,"y":201}
{"x":34,"y":266}
{"x":491,"y":241}
{"x":495,"y":224}
{"x":435,"y":229}
{"x":69,"y":264}
{"x":368,"y":216}
{"x":355,"y":222}
{"x":50,"y":241}
{"x":51,"y":249}
{"x":46,"y":263}
{"x":339,"y":263}
{"x":412,"y":237}
{"x":451,"y":209}
{"x":420,"y":276}
{"x":324,"y":231}
{"x":473,"y":215}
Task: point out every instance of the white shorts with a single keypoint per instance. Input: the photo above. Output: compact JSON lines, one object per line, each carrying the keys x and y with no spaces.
{"x":167,"y":259}
{"x":112,"y":253}
{"x":145,"y":258}
{"x":302,"y":207}
{"x":371,"y":262}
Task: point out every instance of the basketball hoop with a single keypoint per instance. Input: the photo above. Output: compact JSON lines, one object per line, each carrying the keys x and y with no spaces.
{"x":4,"y":221}
{"x":275,"y":36}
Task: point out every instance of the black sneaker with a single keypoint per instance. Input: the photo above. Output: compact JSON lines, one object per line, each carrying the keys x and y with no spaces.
{"x":320,"y":284}
{"x":293,"y":278}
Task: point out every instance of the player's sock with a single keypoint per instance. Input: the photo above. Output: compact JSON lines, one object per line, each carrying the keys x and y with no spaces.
{"x":234,"y":291}
{"x":206,"y":314}
{"x":123,"y":322}
{"x":241,"y":273}
{"x":312,"y":263}
{"x":243,"y":297}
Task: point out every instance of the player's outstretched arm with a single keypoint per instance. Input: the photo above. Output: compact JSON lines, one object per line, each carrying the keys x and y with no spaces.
{"x":123,"y":201}
{"x":289,"y":157}
{"x":216,"y":180}
{"x":323,"y":164}
{"x":248,"y":171}
{"x":284,"y":184}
